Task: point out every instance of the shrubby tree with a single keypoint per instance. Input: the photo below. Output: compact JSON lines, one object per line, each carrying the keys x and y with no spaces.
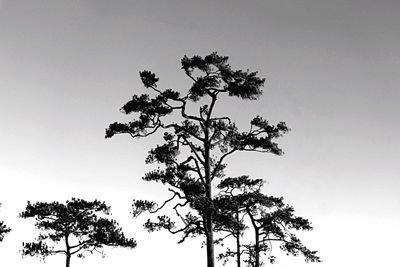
{"x":74,"y":228}
{"x":4,"y":229}
{"x":230,"y":200}
{"x":197,"y":141}
{"x":270,"y":220}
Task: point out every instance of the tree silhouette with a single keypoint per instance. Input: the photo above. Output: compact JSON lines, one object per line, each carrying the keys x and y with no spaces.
{"x":3,"y":229}
{"x":75,"y":224}
{"x":231,"y":197}
{"x":271,"y":220}
{"x":195,"y":148}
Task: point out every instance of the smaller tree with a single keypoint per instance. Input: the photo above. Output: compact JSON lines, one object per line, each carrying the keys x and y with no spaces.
{"x":3,"y":229}
{"x":230,"y":200}
{"x":271,"y":220}
{"x":77,"y":225}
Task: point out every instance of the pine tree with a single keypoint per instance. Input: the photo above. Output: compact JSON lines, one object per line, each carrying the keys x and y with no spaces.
{"x":76,"y":225}
{"x":195,"y":148}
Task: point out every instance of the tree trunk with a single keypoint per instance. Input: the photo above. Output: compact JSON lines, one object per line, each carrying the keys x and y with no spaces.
{"x":68,"y":260}
{"x":68,"y":249}
{"x":238,"y":241}
{"x":256,"y":239}
{"x":257,"y":249}
{"x":209,"y":219}
{"x":210,"y":233}
{"x":210,"y":244}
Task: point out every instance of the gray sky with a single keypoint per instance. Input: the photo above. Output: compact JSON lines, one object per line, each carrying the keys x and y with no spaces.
{"x":332,"y":70}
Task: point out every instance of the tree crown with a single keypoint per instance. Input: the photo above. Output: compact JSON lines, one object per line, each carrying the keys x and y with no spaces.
{"x":76,"y":221}
{"x":4,"y":229}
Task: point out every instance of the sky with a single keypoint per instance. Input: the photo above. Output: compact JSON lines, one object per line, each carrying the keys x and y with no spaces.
{"x":332,"y":74}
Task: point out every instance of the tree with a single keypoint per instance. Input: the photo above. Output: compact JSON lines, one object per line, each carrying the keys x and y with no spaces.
{"x":233,"y":192}
{"x":195,"y":149}
{"x":270,"y":218}
{"x":77,"y":225}
{"x":3,"y":229}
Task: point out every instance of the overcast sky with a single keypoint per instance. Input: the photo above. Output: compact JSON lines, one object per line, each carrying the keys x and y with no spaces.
{"x":332,"y":69}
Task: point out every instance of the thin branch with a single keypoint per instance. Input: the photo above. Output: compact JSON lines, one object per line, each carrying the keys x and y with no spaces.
{"x":176,"y":126}
{"x":220,"y":162}
{"x":57,"y":251}
{"x":165,"y":202}
{"x":193,"y":149}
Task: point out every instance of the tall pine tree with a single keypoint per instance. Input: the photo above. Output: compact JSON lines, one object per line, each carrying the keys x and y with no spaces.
{"x":196,"y":145}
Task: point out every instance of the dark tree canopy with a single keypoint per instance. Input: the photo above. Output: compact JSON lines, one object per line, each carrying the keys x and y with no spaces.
{"x":195,"y":148}
{"x":4,"y":229}
{"x":74,"y":228}
{"x":270,"y":219}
